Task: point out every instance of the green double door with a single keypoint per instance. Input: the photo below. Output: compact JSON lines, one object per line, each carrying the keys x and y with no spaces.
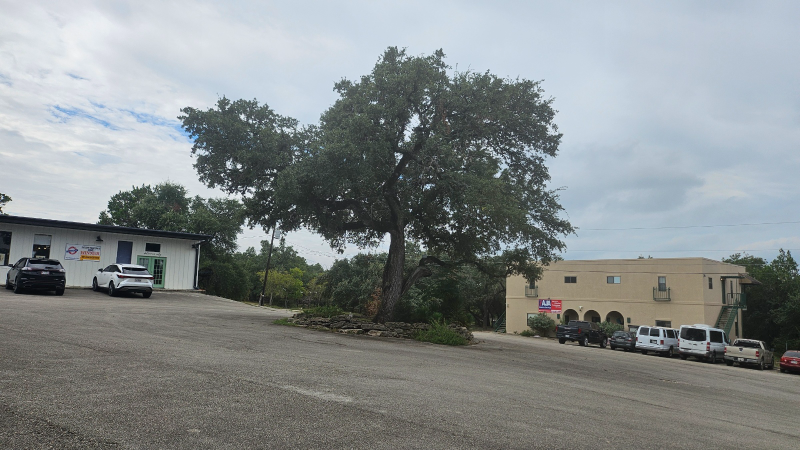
{"x":157,"y":266}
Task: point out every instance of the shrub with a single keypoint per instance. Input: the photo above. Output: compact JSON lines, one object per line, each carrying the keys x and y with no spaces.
{"x":541,"y":324}
{"x":440,"y":333}
{"x":324,"y":311}
{"x":610,"y":327}
{"x":527,"y":333}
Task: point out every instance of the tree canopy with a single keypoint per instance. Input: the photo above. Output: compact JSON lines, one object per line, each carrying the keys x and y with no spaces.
{"x":414,"y":151}
{"x":4,"y":199}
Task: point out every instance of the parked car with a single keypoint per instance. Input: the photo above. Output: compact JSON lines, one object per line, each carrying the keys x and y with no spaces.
{"x":749,"y":352}
{"x":37,"y":273}
{"x":584,"y":332}
{"x":624,"y":340}
{"x":119,"y":278}
{"x":703,"y":342}
{"x":790,"y":361}
{"x":663,"y":341}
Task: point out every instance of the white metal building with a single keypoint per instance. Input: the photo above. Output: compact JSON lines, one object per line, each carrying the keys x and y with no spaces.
{"x":172,"y":257}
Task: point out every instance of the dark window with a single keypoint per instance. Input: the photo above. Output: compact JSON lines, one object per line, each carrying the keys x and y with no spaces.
{"x":671,"y":334}
{"x":570,"y":279}
{"x":662,"y":284}
{"x":693,"y":334}
{"x":135,"y":271}
{"x":664,"y":323}
{"x":152,"y":248}
{"x":792,"y":354}
{"x":644,"y":331}
{"x":41,"y":246}
{"x":612,"y":280}
{"x":716,"y":336}
{"x":124,"y":252}
{"x":109,"y":268}
{"x":44,"y":264}
{"x":5,"y":247}
{"x":655,"y":332}
{"x":710,"y":283}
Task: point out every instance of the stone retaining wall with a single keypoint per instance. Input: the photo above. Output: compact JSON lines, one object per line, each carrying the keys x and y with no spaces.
{"x":349,"y":324}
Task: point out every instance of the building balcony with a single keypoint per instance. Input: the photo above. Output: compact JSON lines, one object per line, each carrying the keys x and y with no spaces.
{"x":661,"y":295}
{"x":739,"y":299}
{"x":532,"y":291}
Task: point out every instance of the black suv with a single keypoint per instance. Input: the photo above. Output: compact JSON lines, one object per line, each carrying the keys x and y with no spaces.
{"x":37,"y":273}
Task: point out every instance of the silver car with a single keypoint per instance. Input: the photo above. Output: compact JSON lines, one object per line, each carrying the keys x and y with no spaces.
{"x":119,"y":278}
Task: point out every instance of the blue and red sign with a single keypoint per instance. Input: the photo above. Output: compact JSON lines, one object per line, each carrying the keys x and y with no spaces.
{"x":549,"y":306}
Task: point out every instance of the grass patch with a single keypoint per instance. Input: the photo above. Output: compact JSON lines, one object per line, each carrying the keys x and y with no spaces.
{"x":440,"y":333}
{"x":284,"y":321}
{"x":324,"y":311}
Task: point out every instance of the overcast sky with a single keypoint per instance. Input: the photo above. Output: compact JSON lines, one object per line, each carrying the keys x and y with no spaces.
{"x":681,"y":120}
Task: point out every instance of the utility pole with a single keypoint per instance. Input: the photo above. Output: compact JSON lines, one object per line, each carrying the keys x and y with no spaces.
{"x":266,"y":271}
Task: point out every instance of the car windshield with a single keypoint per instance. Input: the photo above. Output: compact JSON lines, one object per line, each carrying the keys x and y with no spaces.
{"x":792,"y":354}
{"x":620,"y":334}
{"x":747,"y":344}
{"x":135,"y":271}
{"x":44,"y":264}
{"x":693,"y":334}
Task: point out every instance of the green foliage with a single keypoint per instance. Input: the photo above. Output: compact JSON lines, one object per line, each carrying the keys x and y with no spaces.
{"x":773,"y":308}
{"x":541,"y":323}
{"x":610,"y":327}
{"x":527,"y":333}
{"x":226,"y":279}
{"x":323,"y":311}
{"x":454,"y":161}
{"x":284,"y":321}
{"x":4,"y":199}
{"x":287,"y":286}
{"x":440,"y":333}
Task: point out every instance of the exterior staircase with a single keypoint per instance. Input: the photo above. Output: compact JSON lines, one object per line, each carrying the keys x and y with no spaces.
{"x":500,"y":325}
{"x":730,"y":311}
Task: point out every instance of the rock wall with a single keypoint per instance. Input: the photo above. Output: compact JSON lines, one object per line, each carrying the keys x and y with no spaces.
{"x":350,"y":324}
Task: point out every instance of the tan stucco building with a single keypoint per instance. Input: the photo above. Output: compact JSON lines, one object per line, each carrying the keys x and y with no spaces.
{"x":665,"y":292}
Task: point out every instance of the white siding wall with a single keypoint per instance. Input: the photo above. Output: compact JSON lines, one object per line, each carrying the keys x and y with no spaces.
{"x":180,"y":255}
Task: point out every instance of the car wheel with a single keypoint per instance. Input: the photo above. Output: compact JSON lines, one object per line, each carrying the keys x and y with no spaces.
{"x":146,"y":294}
{"x":713,"y":359}
{"x":111,"y":290}
{"x":17,"y":287}
{"x":683,"y":357}
{"x":626,"y":349}
{"x":782,"y":370}
{"x":644,"y":352}
{"x":761,"y":365}
{"x":59,"y":292}
{"x":729,"y":363}
{"x":613,"y":348}
{"x":585,"y":341}
{"x":603,"y":343}
{"x":94,"y":284}
{"x":561,"y":341}
{"x":670,"y":353}
{"x":8,"y":283}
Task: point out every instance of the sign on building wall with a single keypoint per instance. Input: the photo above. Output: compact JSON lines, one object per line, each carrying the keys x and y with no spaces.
{"x":78,"y":252}
{"x":549,"y":306}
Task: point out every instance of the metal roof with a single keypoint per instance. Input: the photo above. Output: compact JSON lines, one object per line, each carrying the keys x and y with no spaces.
{"x":17,"y":220}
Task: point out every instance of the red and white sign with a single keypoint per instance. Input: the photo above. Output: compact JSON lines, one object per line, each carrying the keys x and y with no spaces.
{"x":549,"y":306}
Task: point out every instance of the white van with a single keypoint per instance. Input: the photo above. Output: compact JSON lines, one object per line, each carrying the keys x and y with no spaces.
{"x":703,"y":342}
{"x":657,"y":339}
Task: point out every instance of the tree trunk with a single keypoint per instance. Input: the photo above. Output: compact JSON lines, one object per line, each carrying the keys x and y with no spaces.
{"x":392,"y":287}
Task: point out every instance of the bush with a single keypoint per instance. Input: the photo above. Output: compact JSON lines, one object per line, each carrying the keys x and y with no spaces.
{"x":440,"y":333}
{"x":324,"y":311}
{"x":527,"y":333}
{"x":541,"y":324}
{"x":610,"y":327}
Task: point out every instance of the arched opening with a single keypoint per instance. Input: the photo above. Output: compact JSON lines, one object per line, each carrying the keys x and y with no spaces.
{"x":592,"y":316}
{"x":615,"y":317}
{"x":570,"y":314}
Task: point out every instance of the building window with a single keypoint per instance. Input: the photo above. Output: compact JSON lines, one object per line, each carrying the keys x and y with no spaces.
{"x":152,"y":248}
{"x":570,"y":279}
{"x":662,"y":284}
{"x":41,"y":246}
{"x":710,"y":283}
{"x":5,"y":247}
{"x":612,"y":280}
{"x":664,"y":323}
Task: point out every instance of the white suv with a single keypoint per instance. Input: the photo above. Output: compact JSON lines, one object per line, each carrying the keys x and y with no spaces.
{"x":124,"y":278}
{"x":657,"y":339}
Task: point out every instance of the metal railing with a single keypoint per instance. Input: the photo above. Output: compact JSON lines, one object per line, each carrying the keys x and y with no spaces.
{"x":661,"y":295}
{"x":531,"y":291}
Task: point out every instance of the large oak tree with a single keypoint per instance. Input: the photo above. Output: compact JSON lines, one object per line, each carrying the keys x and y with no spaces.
{"x":414,"y":151}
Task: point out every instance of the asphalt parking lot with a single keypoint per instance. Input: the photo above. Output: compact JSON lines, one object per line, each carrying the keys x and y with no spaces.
{"x":185,"y":370}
